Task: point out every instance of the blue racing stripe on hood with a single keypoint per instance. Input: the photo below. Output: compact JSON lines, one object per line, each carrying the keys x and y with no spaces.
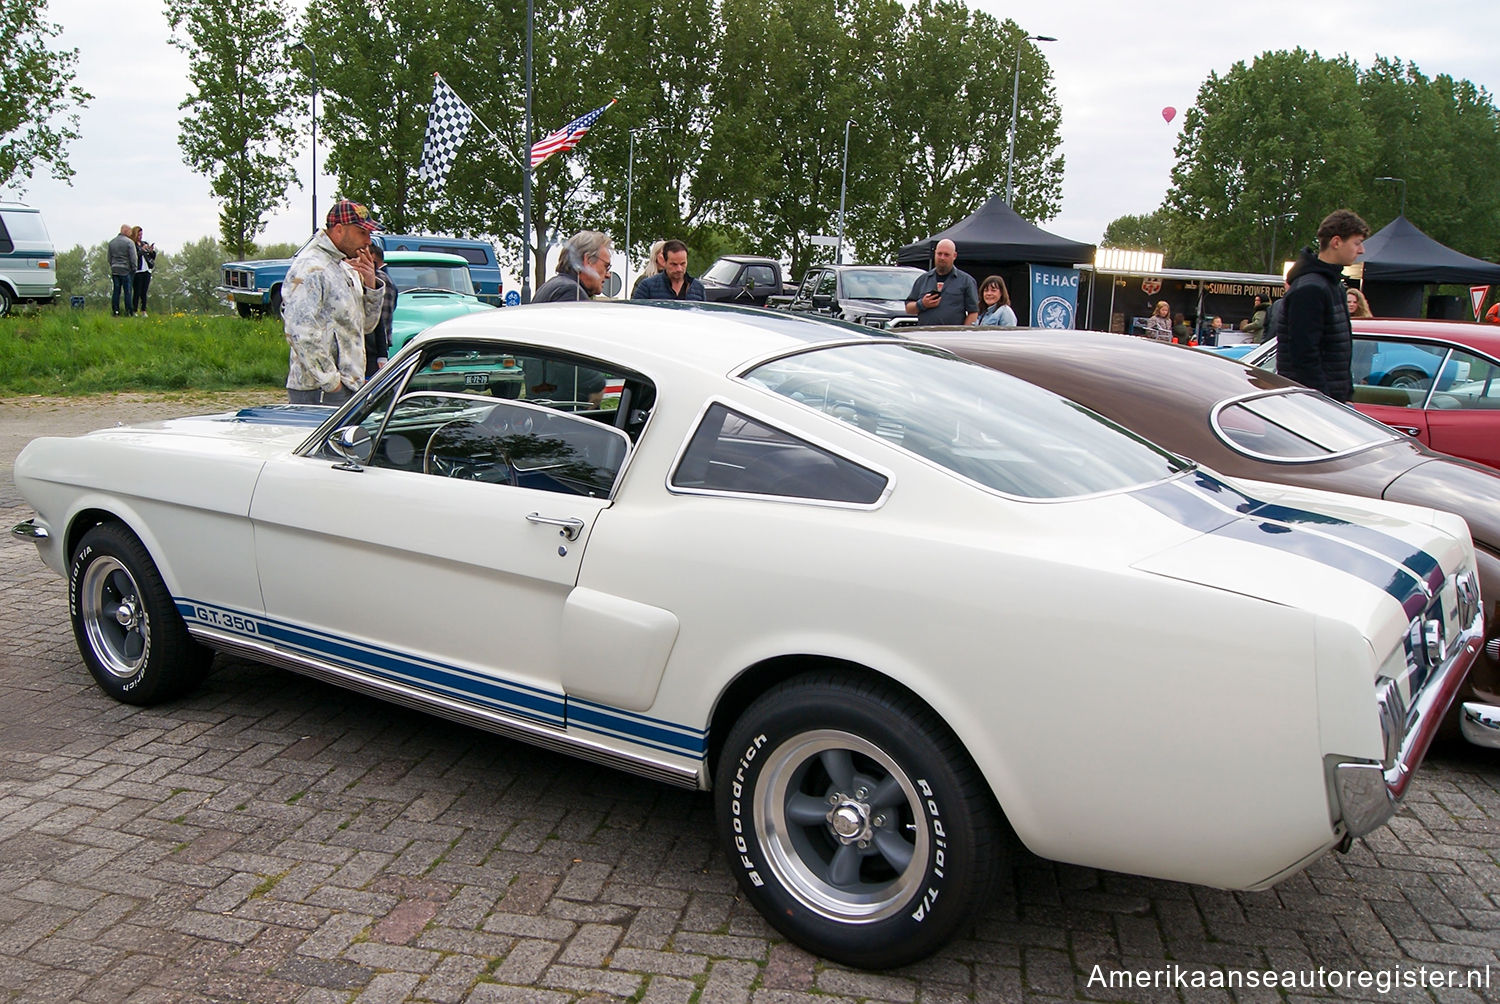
{"x":1409,"y":575}
{"x":310,"y":415}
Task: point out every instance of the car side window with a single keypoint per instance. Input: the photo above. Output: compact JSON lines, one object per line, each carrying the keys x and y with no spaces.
{"x":828,"y":284}
{"x":1467,"y":382}
{"x":811,"y":285}
{"x":760,"y":275}
{"x":731,"y":452}
{"x":473,"y":438}
{"x":1392,"y":372}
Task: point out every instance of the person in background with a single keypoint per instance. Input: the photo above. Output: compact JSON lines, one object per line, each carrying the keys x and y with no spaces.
{"x":1259,"y":314}
{"x":1159,"y":324}
{"x":944,"y":294}
{"x":1316,"y":344}
{"x":1358,"y":305}
{"x":331,"y":297}
{"x":582,"y":265}
{"x":122,"y":262}
{"x":1182,"y":331}
{"x":994,"y":304}
{"x":673,"y":281}
{"x":657,"y":261}
{"x":145,"y":261}
{"x":1492,"y":316}
{"x":1215,"y":328}
{"x":378,"y":340}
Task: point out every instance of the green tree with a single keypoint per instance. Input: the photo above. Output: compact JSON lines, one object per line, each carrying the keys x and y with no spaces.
{"x":944,"y":89}
{"x":1441,"y":137}
{"x":1145,"y":233}
{"x":239,"y":133}
{"x":38,"y":113}
{"x":186,"y":281}
{"x":1266,"y":151}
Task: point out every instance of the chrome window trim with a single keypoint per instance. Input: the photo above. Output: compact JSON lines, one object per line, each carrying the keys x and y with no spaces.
{"x":1239,"y":399}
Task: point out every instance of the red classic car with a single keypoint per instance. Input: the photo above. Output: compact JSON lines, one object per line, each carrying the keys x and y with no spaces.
{"x":1436,"y":380}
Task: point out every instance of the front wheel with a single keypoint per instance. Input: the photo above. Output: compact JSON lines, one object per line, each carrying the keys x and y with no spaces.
{"x":128,"y":629}
{"x":6,"y":300}
{"x":855,"y":822}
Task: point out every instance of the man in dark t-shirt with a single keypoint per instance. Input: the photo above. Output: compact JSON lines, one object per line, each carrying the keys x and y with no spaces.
{"x":944,"y":294}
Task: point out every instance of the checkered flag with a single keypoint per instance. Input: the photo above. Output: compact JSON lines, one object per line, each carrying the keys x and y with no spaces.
{"x":447,"y":122}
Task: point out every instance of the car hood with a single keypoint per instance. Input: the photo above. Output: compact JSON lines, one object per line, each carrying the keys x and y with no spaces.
{"x":265,"y":430}
{"x":416,"y":312}
{"x":1457,"y":486}
{"x":1364,"y":562}
{"x":259,"y":263}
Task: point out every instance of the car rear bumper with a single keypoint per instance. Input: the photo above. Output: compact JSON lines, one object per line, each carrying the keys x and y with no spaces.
{"x":1480,"y":723}
{"x":1369,"y":793}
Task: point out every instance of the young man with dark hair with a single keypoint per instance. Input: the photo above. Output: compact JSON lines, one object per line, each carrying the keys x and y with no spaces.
{"x":1314,"y":341}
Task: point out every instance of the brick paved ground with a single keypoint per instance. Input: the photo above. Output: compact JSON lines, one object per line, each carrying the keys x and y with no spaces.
{"x":275,"y":839}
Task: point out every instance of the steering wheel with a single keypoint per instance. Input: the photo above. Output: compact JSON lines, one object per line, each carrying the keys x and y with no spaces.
{"x":465,"y":449}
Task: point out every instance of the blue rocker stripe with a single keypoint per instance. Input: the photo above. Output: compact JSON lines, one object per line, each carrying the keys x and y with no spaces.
{"x":513,"y":698}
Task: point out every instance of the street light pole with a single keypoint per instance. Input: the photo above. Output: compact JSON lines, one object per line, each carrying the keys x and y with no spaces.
{"x":314,"y":60}
{"x":1402,"y":183}
{"x":838,"y":251}
{"x":1275,"y":224}
{"x":629,"y":190}
{"x":1015,"y":97}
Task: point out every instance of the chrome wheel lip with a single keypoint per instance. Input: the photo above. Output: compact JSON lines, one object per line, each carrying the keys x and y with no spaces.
{"x":803,"y":879}
{"x":109,"y":631}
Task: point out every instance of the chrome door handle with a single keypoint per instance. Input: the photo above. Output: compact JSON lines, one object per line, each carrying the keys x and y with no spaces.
{"x":1410,"y":430}
{"x":570,"y":528}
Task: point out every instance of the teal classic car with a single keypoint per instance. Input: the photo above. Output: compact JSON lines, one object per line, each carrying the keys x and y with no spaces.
{"x":432,"y":287}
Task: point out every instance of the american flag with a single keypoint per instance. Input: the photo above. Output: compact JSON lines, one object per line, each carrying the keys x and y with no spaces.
{"x":567,"y":137}
{"x":447,"y":121}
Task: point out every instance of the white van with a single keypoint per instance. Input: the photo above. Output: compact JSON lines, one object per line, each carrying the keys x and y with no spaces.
{"x":28,"y":261}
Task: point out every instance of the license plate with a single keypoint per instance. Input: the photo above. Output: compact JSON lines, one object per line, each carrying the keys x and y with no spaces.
{"x":476,"y":379}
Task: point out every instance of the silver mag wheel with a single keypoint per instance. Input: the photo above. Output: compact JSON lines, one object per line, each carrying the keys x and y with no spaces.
{"x":128,"y":629}
{"x":854,"y":821}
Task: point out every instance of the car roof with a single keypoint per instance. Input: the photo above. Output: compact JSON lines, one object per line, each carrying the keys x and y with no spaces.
{"x":1111,"y":364}
{"x":423,"y":257}
{"x":1483,"y":337}
{"x":709,"y":337}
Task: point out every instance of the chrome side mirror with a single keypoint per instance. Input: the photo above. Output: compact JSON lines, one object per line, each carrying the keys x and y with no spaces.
{"x":352,"y":443}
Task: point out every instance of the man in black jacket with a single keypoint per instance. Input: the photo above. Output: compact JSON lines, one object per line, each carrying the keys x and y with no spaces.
{"x":1315,"y":343}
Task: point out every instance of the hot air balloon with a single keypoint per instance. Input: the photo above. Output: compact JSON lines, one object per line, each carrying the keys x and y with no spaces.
{"x":1169,"y":113}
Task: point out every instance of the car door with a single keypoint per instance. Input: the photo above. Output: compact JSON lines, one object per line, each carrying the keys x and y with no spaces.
{"x":443,"y":563}
{"x":1393,"y":379}
{"x":1463,"y":412}
{"x":804,"y":298}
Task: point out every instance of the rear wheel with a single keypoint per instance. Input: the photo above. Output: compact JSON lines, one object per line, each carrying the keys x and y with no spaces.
{"x":1405,"y":379}
{"x":855,"y":822}
{"x":128,"y":630}
{"x":275,"y":307}
{"x":243,"y":309}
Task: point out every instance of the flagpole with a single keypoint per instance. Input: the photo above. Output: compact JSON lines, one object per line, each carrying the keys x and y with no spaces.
{"x":526,"y":176}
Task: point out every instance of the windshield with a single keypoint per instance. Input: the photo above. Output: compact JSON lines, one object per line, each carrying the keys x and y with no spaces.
{"x":1293,"y":425}
{"x":981,"y":424}
{"x":454,"y":278}
{"x":722,"y":272}
{"x":878,"y":284}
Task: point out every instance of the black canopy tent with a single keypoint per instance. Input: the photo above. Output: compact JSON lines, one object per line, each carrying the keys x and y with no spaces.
{"x":1400,"y":259}
{"x":995,"y":240}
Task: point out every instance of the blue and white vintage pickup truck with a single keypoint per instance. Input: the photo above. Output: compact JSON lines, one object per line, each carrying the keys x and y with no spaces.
{"x":254,"y":287}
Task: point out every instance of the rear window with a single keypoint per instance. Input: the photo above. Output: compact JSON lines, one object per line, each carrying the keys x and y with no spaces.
{"x":26,"y":228}
{"x":979,"y":423}
{"x":1292,"y":426}
{"x":470,"y":254}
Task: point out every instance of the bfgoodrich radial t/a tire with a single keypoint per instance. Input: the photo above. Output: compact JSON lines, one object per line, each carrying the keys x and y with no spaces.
{"x":854,"y":821}
{"x":128,"y":630}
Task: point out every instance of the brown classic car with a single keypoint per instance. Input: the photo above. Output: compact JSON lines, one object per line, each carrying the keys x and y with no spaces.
{"x":1250,"y":423}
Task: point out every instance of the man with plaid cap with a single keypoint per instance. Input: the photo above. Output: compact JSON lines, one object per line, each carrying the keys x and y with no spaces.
{"x":331,"y":298}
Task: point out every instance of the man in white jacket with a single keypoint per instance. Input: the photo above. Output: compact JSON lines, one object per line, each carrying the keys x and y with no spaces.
{"x":331,"y":298}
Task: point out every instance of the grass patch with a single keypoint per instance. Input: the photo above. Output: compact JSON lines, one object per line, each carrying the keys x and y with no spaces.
{"x":267,"y":884}
{"x":70,"y":352}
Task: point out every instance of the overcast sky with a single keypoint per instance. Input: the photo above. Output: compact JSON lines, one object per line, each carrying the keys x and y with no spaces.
{"x":1115,"y":66}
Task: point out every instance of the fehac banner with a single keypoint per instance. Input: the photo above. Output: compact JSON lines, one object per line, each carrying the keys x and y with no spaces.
{"x":1054,"y":296}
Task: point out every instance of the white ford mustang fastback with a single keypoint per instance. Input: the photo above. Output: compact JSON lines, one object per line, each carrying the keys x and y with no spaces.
{"x":887,"y":604}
